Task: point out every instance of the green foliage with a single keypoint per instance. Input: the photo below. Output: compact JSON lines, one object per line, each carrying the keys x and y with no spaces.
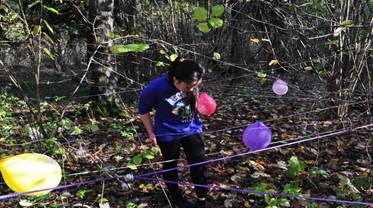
{"x":204,"y":23}
{"x":76,"y":131}
{"x":127,"y":133}
{"x":48,"y":26}
{"x":140,"y":47}
{"x":131,"y":205}
{"x":312,"y":204}
{"x":92,"y":127}
{"x":34,"y":201}
{"x":52,"y":145}
{"x":82,"y":193}
{"x":363,"y":181}
{"x":11,"y":24}
{"x":296,"y":166}
{"x":51,"y":9}
{"x":292,"y":188}
{"x":317,"y":172}
{"x":148,"y":155}
{"x":321,"y":71}
{"x":34,"y":3}
{"x":47,"y":52}
{"x":345,"y":187}
{"x":273,"y":202}
{"x":8,"y":123}
{"x":217,"y":56}
{"x":261,"y":187}
{"x":203,"y":27}
{"x":139,"y":158}
{"x":200,"y":14}
{"x":217,"y":10}
{"x":263,"y":77}
{"x":216,"y":22}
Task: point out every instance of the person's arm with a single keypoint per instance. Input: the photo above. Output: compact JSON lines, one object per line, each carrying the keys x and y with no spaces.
{"x":146,"y":120}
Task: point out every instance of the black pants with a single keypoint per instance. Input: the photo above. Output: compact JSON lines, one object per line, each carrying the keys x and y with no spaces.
{"x":194,"y":149}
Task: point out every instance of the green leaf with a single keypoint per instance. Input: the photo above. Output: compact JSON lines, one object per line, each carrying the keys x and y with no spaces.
{"x":346,"y":23}
{"x":93,"y":127}
{"x":81,"y":193}
{"x":173,"y":57}
{"x":48,"y":26}
{"x":296,"y":165}
{"x":217,"y":10}
{"x":318,"y":172}
{"x":76,"y":131}
{"x":137,"y":159}
{"x":312,"y":204}
{"x":141,"y":47}
{"x":216,"y":22}
{"x":160,"y":64}
{"x":103,"y":200}
{"x":203,"y":27}
{"x":262,"y":75}
{"x":200,"y":14}
{"x":48,"y":38}
{"x":131,"y":166}
{"x":112,"y":35}
{"x":148,"y":155}
{"x":283,"y":202}
{"x":48,"y":53}
{"x":33,"y":4}
{"x":36,"y":30}
{"x":51,"y":9}
{"x":292,"y":188}
{"x":131,"y":205}
{"x":217,"y":56}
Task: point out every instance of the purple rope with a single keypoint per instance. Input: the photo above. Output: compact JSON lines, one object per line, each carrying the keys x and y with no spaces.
{"x":256,"y":151}
{"x":13,"y":195}
{"x":258,"y":192}
{"x":72,"y":185}
{"x":140,"y":177}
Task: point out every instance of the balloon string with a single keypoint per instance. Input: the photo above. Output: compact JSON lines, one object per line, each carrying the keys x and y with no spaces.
{"x":72,"y":185}
{"x":257,"y":192}
{"x":210,"y":154}
{"x":13,"y":195}
{"x":273,"y":119}
{"x":261,"y":150}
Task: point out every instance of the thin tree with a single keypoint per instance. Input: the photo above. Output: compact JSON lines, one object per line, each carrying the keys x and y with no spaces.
{"x":103,"y":76}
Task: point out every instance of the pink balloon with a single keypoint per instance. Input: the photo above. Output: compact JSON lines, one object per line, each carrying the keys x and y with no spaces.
{"x":280,"y":87}
{"x":206,"y":105}
{"x":257,"y":136}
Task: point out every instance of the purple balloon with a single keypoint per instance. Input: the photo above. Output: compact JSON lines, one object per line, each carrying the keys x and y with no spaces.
{"x":257,"y":136}
{"x":280,"y":87}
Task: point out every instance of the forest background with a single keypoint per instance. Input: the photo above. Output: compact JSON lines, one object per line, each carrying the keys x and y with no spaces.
{"x":71,"y":71}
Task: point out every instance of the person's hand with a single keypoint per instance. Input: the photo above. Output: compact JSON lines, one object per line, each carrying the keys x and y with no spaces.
{"x":152,"y":138}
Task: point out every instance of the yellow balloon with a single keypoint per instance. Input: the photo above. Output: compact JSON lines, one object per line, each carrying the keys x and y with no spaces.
{"x":29,"y":172}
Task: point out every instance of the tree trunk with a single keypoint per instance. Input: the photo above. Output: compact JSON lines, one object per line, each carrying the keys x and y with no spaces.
{"x":104,"y":78}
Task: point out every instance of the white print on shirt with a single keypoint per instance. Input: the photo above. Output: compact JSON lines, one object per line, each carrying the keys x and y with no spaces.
{"x":175,"y":98}
{"x":180,"y":103}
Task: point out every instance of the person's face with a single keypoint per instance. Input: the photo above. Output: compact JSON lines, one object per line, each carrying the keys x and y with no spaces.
{"x":185,"y":87}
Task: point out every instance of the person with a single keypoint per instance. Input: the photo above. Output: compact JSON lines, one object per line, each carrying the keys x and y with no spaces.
{"x":177,"y":124}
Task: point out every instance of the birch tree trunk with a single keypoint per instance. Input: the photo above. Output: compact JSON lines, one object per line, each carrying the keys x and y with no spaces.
{"x":103,"y":74}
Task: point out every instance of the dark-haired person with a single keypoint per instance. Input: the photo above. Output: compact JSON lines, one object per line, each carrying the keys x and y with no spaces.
{"x":177,"y":124}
